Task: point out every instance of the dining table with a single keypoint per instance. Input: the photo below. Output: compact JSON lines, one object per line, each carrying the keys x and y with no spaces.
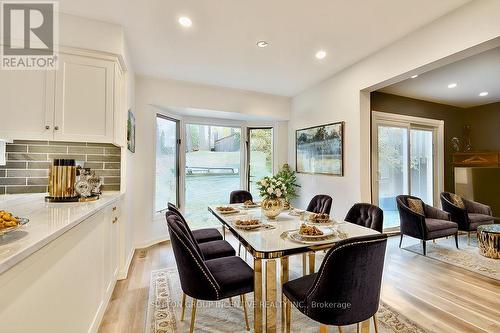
{"x":271,"y":244}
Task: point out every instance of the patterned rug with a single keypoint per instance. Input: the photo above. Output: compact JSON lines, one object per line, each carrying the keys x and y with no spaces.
{"x":164,"y":311}
{"x":467,"y":256}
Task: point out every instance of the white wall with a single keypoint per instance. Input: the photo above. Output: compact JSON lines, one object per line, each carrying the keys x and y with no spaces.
{"x":152,"y":93}
{"x":84,"y":33}
{"x":340,"y":98}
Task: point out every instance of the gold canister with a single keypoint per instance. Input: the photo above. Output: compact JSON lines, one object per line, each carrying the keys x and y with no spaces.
{"x":62,"y":178}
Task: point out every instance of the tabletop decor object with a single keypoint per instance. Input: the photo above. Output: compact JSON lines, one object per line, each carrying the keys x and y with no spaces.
{"x":290,"y":179}
{"x":273,"y":191}
{"x":320,"y":149}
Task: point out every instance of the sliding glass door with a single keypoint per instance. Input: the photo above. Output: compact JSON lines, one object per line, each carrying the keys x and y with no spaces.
{"x":392,"y":161}
{"x":260,"y":156}
{"x":404,"y":162}
{"x":167,"y":162}
{"x":212,"y":170}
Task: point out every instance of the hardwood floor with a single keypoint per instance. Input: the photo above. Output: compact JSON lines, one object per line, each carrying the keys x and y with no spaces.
{"x":437,"y":296}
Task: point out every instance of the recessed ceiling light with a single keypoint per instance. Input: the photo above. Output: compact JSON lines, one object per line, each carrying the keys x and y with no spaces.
{"x":452,"y":85}
{"x":414,"y":76}
{"x":185,"y":21}
{"x":321,"y":54}
{"x":484,"y":93}
{"x":262,"y":43}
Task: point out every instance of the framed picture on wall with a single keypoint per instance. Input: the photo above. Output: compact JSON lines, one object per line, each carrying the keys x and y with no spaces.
{"x":320,"y":149}
{"x":131,"y":131}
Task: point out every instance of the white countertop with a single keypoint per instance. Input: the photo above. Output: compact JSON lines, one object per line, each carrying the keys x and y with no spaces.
{"x":48,"y":221}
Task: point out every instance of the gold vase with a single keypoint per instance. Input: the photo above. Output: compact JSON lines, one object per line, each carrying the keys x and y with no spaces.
{"x":272,"y":208}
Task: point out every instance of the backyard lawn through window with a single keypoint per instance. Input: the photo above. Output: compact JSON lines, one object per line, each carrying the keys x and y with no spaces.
{"x":213,"y":170}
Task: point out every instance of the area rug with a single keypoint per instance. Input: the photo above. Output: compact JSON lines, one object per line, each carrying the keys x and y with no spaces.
{"x":467,"y":256}
{"x":164,"y":312}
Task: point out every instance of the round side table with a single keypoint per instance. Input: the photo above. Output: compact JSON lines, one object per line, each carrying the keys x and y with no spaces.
{"x":488,"y":237}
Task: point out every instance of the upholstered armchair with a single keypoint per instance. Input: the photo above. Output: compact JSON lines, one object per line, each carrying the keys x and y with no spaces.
{"x":320,"y":203}
{"x":429,"y":224}
{"x":466,"y":213}
{"x":367,"y":215}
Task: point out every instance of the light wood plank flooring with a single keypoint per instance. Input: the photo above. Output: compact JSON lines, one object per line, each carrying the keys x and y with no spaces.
{"x":437,"y":296}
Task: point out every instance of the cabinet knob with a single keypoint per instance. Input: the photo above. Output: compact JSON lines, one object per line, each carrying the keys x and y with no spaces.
{"x":114,"y":208}
{"x":47,"y":127}
{"x":115,"y":220}
{"x":56,"y":128}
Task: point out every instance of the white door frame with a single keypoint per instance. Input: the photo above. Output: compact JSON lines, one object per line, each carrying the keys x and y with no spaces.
{"x":409,"y":122}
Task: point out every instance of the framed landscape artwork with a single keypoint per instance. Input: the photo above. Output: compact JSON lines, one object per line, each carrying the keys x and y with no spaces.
{"x":320,"y":149}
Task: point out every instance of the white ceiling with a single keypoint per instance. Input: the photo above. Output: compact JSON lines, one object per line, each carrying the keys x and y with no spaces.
{"x":473,"y":75}
{"x":220,"y":47}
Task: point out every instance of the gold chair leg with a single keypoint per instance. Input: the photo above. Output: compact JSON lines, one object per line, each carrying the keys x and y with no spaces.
{"x":357,"y":328}
{"x":434,"y":241}
{"x":231,"y":301}
{"x":288,"y":314}
{"x":193,"y":316}
{"x":183,"y":306}
{"x":244,"y":303}
{"x":304,"y":264}
{"x":312,"y":261}
{"x":375,"y":323}
{"x":340,"y":329}
{"x":323,"y":328}
{"x":239,"y":250}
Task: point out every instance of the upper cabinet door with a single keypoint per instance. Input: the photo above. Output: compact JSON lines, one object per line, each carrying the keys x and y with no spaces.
{"x":27,"y":109}
{"x":84,"y":99}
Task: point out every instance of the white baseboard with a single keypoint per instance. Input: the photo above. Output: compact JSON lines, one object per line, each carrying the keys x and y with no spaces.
{"x":123,"y":273}
{"x":152,"y":242}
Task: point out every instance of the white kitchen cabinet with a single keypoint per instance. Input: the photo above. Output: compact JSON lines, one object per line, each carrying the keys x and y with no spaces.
{"x":27,"y":104}
{"x":84,"y":99}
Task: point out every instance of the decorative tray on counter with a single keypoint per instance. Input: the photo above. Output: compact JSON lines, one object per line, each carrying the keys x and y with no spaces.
{"x":93,"y":197}
{"x":21,"y":222}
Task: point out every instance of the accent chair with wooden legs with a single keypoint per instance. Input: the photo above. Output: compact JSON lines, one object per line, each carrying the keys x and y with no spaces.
{"x":208,"y":280}
{"x":346,"y":288}
{"x":466,"y":213}
{"x":423,"y":222}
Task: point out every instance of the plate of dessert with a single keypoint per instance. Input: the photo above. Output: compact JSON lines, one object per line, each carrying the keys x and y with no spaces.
{"x":248,"y":224}
{"x":313,"y":232}
{"x":9,"y":222}
{"x":250,"y":204}
{"x":227,"y":210}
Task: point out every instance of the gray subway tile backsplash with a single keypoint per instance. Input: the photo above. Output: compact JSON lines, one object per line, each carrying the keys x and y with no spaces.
{"x":26,"y":170}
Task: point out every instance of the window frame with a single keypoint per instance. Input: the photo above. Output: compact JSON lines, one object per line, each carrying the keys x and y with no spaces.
{"x":177,"y":164}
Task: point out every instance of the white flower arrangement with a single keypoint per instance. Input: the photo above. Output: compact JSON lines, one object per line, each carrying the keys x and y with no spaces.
{"x":272,"y":188}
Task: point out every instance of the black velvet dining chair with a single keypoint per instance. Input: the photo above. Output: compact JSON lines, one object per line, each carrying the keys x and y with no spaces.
{"x":428,"y":224}
{"x":236,"y":197}
{"x":467,"y":214}
{"x":208,"y":280}
{"x":366,"y":215}
{"x":320,"y":203}
{"x":201,"y":235}
{"x":240,"y":196}
{"x":346,"y":288}
{"x":209,"y":250}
